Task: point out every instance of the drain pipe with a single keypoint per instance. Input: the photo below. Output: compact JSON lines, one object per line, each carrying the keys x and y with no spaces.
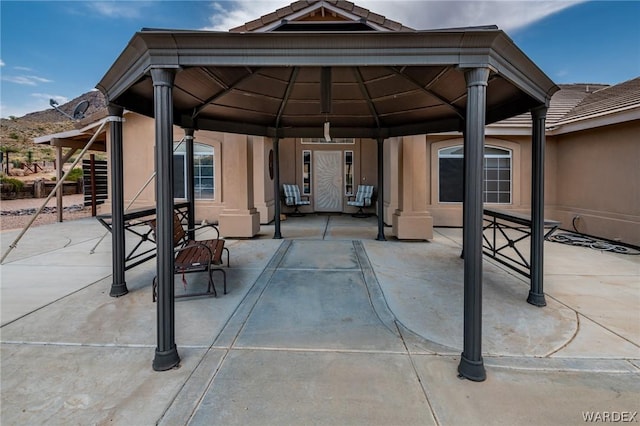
{"x":14,"y":244}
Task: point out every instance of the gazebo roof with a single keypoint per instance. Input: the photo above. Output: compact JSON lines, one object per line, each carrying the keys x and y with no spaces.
{"x":288,"y":84}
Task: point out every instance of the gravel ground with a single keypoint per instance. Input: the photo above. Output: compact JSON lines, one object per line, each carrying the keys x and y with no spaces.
{"x":16,"y":221}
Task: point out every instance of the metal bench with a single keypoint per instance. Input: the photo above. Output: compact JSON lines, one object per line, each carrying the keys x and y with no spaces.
{"x":195,"y":256}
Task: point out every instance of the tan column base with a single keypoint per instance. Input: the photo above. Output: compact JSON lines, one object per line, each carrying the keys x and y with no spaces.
{"x":416,"y":226}
{"x":239,"y":224}
{"x":267,"y":212}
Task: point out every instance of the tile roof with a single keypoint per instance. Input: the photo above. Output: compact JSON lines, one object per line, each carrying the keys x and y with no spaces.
{"x":581,"y":101}
{"x":607,"y":99}
{"x":297,"y":6}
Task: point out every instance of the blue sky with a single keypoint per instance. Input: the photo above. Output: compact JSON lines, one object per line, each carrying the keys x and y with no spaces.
{"x":61,"y":49}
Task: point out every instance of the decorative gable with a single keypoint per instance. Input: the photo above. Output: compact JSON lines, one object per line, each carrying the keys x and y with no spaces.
{"x":321,"y":15}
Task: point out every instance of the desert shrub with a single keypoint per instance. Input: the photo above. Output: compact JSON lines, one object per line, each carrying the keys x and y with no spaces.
{"x":14,"y":184}
{"x":74,"y":176}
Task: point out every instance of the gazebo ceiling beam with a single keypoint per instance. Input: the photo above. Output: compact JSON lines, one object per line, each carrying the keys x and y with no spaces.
{"x":226,"y":89}
{"x":425,"y":89}
{"x":287,"y":95}
{"x":367,"y":96}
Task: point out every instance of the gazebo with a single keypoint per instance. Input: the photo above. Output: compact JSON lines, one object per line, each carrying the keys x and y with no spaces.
{"x":304,"y":84}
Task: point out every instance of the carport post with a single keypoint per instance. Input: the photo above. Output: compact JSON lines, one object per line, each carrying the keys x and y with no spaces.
{"x":118,"y":285}
{"x":471,"y":364}
{"x":276,"y":186}
{"x":380,"y":197}
{"x":166,"y":352}
{"x":536,"y":293}
{"x":191,"y":192}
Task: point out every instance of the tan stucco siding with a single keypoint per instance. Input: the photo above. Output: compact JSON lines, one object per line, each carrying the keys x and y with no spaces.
{"x":598,"y":176}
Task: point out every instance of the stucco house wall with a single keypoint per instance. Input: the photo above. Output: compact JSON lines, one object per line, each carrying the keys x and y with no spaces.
{"x":598,"y":182}
{"x":591,"y":177}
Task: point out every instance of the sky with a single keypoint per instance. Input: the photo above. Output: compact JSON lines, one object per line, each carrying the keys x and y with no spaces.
{"x":62,"y":49}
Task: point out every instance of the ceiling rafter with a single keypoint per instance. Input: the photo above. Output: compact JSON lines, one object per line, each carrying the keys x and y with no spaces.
{"x":226,"y":89}
{"x":426,"y":89}
{"x":367,"y":96}
{"x":287,"y":95}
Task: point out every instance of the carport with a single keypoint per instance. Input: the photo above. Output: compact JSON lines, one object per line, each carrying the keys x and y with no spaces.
{"x":374,"y":85}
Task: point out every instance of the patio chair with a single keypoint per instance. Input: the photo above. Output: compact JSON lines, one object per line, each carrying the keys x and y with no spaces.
{"x":362,"y":199}
{"x":195,"y":256}
{"x":292,"y":198}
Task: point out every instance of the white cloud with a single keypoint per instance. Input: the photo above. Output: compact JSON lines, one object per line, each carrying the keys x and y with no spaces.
{"x":45,"y":96}
{"x":229,"y":15}
{"x":118,"y":9}
{"x":1,"y":63}
{"x":421,"y":14}
{"x":22,"y":68}
{"x":25,"y":80}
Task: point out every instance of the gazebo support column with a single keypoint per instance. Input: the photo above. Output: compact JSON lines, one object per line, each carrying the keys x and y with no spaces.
{"x":191,"y":192}
{"x":471,"y":364}
{"x":166,"y":356}
{"x":381,"y":236}
{"x":276,"y":186}
{"x":536,"y":293}
{"x":118,"y":285}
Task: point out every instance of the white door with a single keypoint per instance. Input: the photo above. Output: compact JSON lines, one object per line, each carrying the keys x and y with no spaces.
{"x":327,"y":183}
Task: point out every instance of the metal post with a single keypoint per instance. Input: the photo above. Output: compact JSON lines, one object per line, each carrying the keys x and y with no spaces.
{"x":536,"y":293}
{"x":60,"y":190}
{"x":276,"y":185}
{"x":92,"y":177}
{"x":464,"y":186}
{"x":191,"y":193}
{"x":471,"y":364}
{"x":119,"y":285}
{"x":166,"y":356}
{"x":380,"y":197}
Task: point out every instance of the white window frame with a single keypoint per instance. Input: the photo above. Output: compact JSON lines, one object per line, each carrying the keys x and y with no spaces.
{"x":199,"y":150}
{"x":349,"y":174}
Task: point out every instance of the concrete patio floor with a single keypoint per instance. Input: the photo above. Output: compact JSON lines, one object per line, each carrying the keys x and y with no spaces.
{"x":327,"y":326}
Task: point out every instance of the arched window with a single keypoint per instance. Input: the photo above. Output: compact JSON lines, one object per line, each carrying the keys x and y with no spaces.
{"x":203,"y":173}
{"x":497,"y":175}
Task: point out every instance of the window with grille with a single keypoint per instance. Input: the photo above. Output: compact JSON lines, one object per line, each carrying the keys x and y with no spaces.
{"x":497,"y":175}
{"x":203,"y":173}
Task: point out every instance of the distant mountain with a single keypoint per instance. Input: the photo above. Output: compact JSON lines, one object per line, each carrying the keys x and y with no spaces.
{"x":17,"y":134}
{"x":96,"y":103}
